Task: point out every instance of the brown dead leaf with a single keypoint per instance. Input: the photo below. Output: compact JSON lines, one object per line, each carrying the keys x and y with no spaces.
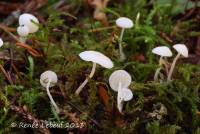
{"x":103,"y":96}
{"x":98,"y":14}
{"x":117,"y":116}
{"x":138,"y":57}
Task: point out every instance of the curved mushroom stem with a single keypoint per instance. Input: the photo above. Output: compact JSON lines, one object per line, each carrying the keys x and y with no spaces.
{"x":80,"y":88}
{"x":119,"y":98}
{"x":166,"y":66}
{"x":172,"y":67}
{"x":51,"y":98}
{"x":121,"y":52}
{"x":157,"y":73}
{"x":158,"y":69}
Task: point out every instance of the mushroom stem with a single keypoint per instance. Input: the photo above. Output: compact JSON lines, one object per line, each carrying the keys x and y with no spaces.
{"x":122,"y":55}
{"x":158,"y":69}
{"x":172,"y":67}
{"x":157,"y":73}
{"x":119,"y":98}
{"x":22,"y":39}
{"x":80,"y":88}
{"x":51,"y":98}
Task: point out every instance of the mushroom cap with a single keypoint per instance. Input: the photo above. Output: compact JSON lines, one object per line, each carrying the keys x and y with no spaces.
{"x":127,"y":94}
{"x":124,"y":22}
{"x":119,"y":76}
{"x":124,"y":94}
{"x":26,"y":19}
{"x":182,"y":49}
{"x":162,"y":51}
{"x":96,"y":57}
{"x":23,"y":31}
{"x":46,"y":76}
{"x":1,"y":42}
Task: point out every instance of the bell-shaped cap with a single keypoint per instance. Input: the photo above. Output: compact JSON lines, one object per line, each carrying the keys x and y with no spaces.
{"x":1,"y":42}
{"x":23,"y":31}
{"x":127,"y":94}
{"x":30,"y":21}
{"x":96,"y":57}
{"x":182,"y":49}
{"x":119,"y":77}
{"x":48,"y":76}
{"x":162,"y":51}
{"x":124,"y":22}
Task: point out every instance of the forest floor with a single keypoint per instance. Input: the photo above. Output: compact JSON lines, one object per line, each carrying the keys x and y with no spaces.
{"x":69,"y":27}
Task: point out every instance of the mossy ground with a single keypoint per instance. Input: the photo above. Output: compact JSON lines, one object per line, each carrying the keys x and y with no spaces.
{"x":156,"y":108}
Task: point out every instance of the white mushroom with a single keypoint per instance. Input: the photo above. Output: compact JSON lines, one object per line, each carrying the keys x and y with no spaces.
{"x":182,"y":50}
{"x":1,"y":42}
{"x":119,"y":77}
{"x":162,"y":51}
{"x":124,"y":94}
{"x":124,"y":23}
{"x":49,"y":79}
{"x":30,"y":21}
{"x":23,"y":31}
{"x":96,"y":58}
{"x":119,"y":82}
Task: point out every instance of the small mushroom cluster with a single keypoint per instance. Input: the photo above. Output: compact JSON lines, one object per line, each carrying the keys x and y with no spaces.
{"x":119,"y":81}
{"x":28,"y":24}
{"x":164,"y":51}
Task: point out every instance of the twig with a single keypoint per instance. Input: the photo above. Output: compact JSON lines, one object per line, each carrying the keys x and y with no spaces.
{"x":93,"y":120}
{"x":30,"y":118}
{"x":190,"y":12}
{"x":101,"y":29}
{"x":6,"y":75}
{"x":30,"y":49}
{"x":5,"y":28}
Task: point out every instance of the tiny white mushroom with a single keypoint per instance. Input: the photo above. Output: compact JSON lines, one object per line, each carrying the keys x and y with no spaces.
{"x":30,"y":21}
{"x":119,"y":77}
{"x":23,"y":31}
{"x":1,"y":42}
{"x":49,"y":79}
{"x":119,"y":82}
{"x":182,"y":50}
{"x":96,"y":58}
{"x":162,"y":51}
{"x":124,"y":23}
